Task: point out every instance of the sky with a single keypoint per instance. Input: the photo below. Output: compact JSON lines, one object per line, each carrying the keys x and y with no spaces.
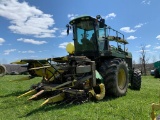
{"x":36,"y":29}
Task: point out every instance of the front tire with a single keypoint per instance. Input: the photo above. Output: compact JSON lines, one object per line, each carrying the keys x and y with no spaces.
{"x":115,"y":74}
{"x":136,"y":80}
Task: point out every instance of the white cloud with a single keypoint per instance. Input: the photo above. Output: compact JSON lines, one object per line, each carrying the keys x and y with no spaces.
{"x":63,"y":33}
{"x":158,"y":37}
{"x":139,"y":25}
{"x":1,"y":41}
{"x":72,"y":16}
{"x":63,"y":45}
{"x":36,"y":42}
{"x":131,"y":37}
{"x":7,"y":52}
{"x":26,"y":19}
{"x":148,"y":46}
{"x":127,"y":29}
{"x":148,"y":2}
{"x":29,"y":51}
{"x":111,"y":15}
{"x":157,"y":47}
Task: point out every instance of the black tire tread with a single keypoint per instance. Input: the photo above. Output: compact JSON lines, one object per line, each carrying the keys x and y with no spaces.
{"x":108,"y":71}
{"x":136,"y":80}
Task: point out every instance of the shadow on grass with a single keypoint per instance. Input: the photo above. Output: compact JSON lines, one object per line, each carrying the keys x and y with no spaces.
{"x":13,"y":94}
{"x":134,"y":89}
{"x":47,"y":108}
{"x":51,"y":107}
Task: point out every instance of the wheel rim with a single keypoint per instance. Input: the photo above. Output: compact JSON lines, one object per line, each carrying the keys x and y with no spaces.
{"x":121,"y":78}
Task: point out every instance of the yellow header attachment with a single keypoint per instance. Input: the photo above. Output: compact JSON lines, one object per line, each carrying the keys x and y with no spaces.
{"x":70,"y":48}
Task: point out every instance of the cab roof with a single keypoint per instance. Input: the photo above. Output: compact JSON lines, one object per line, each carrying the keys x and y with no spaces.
{"x":81,"y":18}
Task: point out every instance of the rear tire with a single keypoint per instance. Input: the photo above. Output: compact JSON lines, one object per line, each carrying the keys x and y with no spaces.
{"x":115,"y":74}
{"x":136,"y":80}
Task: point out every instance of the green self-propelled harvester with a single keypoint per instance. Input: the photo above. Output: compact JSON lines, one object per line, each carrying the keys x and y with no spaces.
{"x":98,"y":64}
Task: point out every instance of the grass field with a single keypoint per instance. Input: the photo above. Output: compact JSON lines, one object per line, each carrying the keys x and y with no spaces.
{"x":136,"y":105}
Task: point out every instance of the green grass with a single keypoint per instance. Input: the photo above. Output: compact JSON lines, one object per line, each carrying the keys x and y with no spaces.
{"x":136,"y":105}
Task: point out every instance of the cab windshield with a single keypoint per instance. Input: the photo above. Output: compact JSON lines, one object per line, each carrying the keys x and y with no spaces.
{"x":85,"y":36}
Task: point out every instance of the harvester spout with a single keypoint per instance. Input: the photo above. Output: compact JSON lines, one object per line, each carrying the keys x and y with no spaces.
{"x":101,"y":95}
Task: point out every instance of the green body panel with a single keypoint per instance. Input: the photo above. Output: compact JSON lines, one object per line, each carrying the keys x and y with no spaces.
{"x":157,"y":65}
{"x":98,"y":76}
{"x":115,"y":53}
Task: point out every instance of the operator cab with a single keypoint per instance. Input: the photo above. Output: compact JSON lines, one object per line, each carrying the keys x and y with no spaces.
{"x":87,"y":32}
{"x":93,"y":38}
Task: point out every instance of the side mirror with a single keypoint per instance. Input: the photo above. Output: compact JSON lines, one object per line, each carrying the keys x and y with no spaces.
{"x":98,"y":16}
{"x":102,"y":23}
{"x":67,"y":29}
